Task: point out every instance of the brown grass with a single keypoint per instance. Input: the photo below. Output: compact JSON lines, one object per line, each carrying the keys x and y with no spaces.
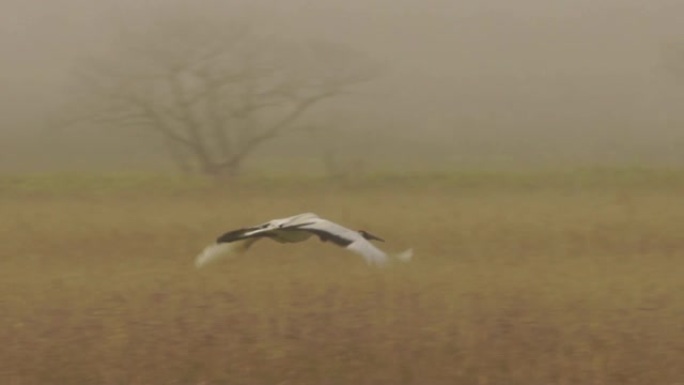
{"x":526,"y":285}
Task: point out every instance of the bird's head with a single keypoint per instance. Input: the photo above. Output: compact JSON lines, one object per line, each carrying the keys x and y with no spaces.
{"x":370,"y":236}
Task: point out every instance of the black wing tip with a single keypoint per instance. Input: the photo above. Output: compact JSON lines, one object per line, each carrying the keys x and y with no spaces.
{"x":325,"y":236}
{"x":231,"y":236}
{"x":370,"y":237}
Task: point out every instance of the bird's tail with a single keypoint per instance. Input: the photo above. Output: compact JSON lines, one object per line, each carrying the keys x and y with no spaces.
{"x":405,"y":255}
{"x":218,"y":251}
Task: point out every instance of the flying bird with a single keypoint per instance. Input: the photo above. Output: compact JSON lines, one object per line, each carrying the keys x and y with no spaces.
{"x":299,"y":228}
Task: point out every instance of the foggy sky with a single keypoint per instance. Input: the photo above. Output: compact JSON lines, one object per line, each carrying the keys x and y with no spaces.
{"x":500,"y":74}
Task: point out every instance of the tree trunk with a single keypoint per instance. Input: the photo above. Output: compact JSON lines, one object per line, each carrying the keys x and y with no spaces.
{"x":179,"y":157}
{"x":224,"y":171}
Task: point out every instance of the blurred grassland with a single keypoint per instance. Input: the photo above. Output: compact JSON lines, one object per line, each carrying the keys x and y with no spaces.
{"x":568,"y":278}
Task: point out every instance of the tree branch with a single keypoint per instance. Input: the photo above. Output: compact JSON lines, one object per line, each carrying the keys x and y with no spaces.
{"x":192,"y":125}
{"x":303,"y":105}
{"x":216,"y":119}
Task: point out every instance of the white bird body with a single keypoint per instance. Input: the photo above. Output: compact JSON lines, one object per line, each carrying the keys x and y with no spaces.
{"x":295,"y":229}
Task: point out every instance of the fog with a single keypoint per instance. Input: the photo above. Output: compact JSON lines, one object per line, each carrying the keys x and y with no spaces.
{"x":484,"y":84}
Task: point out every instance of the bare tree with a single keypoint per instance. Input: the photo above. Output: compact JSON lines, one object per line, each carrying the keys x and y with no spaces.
{"x":214,"y":93}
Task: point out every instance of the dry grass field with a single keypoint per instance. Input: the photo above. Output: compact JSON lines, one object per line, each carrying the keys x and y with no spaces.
{"x":516,"y":280}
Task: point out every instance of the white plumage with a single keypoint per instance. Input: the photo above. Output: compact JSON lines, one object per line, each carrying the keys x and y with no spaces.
{"x":294,"y":229}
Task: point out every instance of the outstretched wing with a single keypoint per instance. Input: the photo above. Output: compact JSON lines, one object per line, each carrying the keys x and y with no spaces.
{"x":217,"y":251}
{"x":246,"y":233}
{"x":263,"y":230}
{"x":368,"y":251}
{"x":341,"y":236}
{"x":232,"y":243}
{"x":297,"y":219}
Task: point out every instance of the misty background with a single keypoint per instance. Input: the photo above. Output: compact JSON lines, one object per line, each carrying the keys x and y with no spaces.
{"x":463,"y":84}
